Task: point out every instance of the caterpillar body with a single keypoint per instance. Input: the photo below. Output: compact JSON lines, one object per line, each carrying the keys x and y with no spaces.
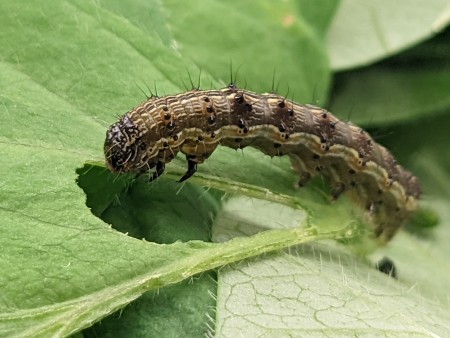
{"x":197,"y":121}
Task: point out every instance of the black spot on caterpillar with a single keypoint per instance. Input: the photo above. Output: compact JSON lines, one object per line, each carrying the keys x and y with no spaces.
{"x":197,"y":121}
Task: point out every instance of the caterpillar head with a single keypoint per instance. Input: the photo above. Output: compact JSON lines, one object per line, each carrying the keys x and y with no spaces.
{"x":125,"y":150}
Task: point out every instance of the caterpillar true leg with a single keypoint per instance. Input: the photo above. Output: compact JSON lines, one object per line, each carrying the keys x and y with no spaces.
{"x":192,"y":168}
{"x":160,"y":167}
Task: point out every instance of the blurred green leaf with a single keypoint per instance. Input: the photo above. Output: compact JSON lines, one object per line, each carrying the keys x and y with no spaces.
{"x":363,"y":32}
{"x":404,"y":88}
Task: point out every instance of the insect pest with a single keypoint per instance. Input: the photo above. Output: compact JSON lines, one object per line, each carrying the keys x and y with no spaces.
{"x":196,"y":122}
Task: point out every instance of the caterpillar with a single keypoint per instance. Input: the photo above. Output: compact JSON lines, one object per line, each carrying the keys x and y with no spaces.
{"x":197,"y":121}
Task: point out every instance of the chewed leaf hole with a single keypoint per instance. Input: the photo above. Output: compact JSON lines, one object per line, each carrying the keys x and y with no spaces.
{"x":159,"y":212}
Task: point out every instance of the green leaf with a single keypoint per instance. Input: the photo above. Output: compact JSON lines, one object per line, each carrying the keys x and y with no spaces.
{"x":406,"y":87}
{"x":245,"y":36}
{"x":363,"y":32}
{"x":66,"y":70}
{"x":316,"y":289}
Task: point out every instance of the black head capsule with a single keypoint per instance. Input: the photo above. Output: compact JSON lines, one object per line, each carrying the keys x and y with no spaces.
{"x":123,"y":146}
